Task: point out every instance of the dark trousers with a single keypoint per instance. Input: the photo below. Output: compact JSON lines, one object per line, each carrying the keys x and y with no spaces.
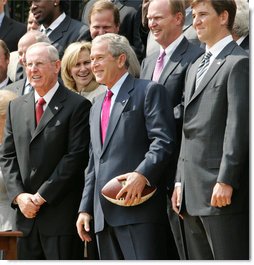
{"x":134,"y":242}
{"x":219,"y":237}
{"x":36,"y":246}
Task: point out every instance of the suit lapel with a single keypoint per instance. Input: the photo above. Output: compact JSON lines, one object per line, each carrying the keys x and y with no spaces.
{"x":97,"y":145}
{"x":119,"y":105}
{"x":5,"y":27}
{"x":213,"y":69}
{"x":174,"y":60}
{"x":29,"y":112}
{"x":54,"y":106}
{"x":59,"y":31}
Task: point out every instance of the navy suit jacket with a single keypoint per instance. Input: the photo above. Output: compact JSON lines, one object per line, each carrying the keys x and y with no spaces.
{"x":140,"y":137}
{"x":173,"y":77}
{"x":11,"y":31}
{"x":49,"y":159}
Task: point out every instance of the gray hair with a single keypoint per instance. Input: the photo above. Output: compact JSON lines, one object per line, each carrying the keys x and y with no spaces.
{"x":53,"y":54}
{"x":241,"y":24}
{"x":118,"y":45}
{"x":37,"y":35}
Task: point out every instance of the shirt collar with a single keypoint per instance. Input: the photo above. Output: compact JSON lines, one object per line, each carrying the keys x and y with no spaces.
{"x":219,"y":46}
{"x":171,"y":48}
{"x":49,"y":94}
{"x":55,"y":23}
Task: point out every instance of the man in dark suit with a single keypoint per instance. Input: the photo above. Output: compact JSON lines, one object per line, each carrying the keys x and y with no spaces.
{"x":179,"y":54}
{"x":43,"y":160}
{"x":124,"y":22}
{"x":138,"y":146}
{"x":10,"y":30}
{"x":59,"y":27}
{"x":212,"y":181}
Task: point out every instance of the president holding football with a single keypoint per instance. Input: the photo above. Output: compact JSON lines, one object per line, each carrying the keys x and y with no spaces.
{"x":137,"y":147}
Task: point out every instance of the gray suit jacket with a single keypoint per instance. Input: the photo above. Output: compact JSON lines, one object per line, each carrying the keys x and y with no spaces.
{"x":139,"y":138}
{"x":17,"y":87}
{"x":49,"y":159}
{"x":215,"y":142}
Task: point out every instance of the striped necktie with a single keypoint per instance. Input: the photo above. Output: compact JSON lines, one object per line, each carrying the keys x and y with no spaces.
{"x":203,"y":68}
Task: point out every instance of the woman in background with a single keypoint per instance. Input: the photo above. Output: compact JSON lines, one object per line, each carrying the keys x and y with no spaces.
{"x":6,"y":212}
{"x":76,"y":71}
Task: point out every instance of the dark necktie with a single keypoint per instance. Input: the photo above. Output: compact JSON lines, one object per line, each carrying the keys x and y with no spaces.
{"x":159,"y":66}
{"x":105,"y":113}
{"x":203,"y":68}
{"x":39,"y":109}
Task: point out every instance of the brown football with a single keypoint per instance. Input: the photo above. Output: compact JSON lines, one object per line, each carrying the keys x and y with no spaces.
{"x":111,"y":189}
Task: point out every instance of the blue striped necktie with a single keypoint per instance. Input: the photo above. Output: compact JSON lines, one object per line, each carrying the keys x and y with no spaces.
{"x":203,"y":68}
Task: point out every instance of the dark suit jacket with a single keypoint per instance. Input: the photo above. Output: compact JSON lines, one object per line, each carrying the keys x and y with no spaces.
{"x":17,"y":87}
{"x":11,"y":31}
{"x":128,"y":25}
{"x":139,"y":138}
{"x":50,"y":158}
{"x":70,"y":30}
{"x":215,"y":142}
{"x":245,"y":44}
{"x":172,"y":77}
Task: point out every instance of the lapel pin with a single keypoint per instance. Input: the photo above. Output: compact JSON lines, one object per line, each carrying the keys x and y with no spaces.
{"x":56,"y":108}
{"x":219,"y":63}
{"x":123,"y":101}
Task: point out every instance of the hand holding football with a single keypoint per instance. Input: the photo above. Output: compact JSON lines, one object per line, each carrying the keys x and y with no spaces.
{"x":112,"y":188}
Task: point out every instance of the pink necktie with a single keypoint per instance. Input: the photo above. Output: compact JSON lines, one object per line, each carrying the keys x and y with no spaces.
{"x":39,"y":109}
{"x":159,"y":66}
{"x":105,"y":111}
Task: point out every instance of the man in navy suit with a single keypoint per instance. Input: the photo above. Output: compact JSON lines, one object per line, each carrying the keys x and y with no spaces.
{"x":59,"y":27}
{"x":212,"y":181}
{"x":43,"y":161}
{"x":138,"y":146}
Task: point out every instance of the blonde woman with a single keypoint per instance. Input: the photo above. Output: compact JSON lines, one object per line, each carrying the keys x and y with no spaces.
{"x":76,"y":71}
{"x":6,"y":212}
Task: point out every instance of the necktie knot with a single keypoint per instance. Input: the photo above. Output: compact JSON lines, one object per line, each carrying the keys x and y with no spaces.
{"x":109,"y":94}
{"x":41,"y":101}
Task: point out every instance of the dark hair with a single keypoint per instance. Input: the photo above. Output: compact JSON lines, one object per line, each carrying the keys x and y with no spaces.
{"x":5,"y":48}
{"x":64,"y":5}
{"x":221,"y":6}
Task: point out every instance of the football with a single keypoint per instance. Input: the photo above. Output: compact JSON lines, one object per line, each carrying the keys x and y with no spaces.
{"x":111,"y":189}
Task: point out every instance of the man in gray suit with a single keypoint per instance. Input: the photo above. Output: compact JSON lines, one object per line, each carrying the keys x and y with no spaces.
{"x":43,"y":160}
{"x":212,"y":182}
{"x":59,"y":27}
{"x":179,"y":54}
{"x":137,"y":148}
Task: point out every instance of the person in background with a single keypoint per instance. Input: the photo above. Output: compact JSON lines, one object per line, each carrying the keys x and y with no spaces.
{"x":22,"y":86}
{"x":103,"y":16}
{"x":10,"y":30}
{"x":135,"y":145}
{"x":32,"y":23}
{"x":212,"y":181}
{"x":240,"y":31}
{"x":76,"y":71}
{"x":179,"y":53}
{"x":7,"y":214}
{"x":4,"y":62}
{"x":56,"y":24}
{"x":43,"y":157}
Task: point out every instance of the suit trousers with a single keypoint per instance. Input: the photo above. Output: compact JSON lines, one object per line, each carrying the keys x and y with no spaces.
{"x":219,"y":237}
{"x":40,"y":247}
{"x":145,"y":241}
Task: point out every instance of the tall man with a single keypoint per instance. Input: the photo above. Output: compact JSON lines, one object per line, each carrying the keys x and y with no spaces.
{"x":137,"y":147}
{"x":179,"y":53}
{"x":59,"y":27}
{"x":213,"y":164}
{"x":43,"y":157}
